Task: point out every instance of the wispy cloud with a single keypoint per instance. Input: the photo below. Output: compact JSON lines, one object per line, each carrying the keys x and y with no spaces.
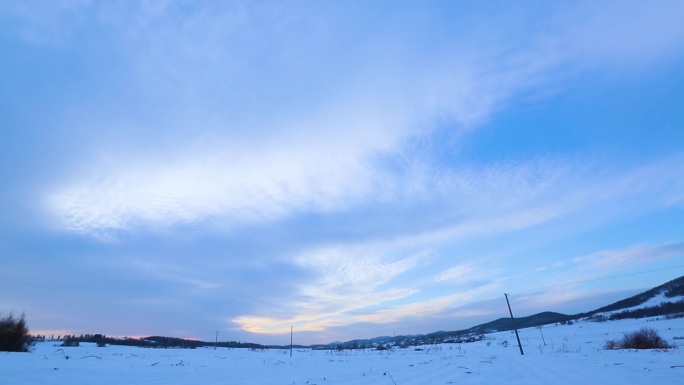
{"x":345,"y":282}
{"x":469,"y":274}
{"x":429,"y":308}
{"x":459,"y":273}
{"x":242,"y":184}
{"x":267,"y":166}
{"x":631,"y":32}
{"x":556,"y":300}
{"x":633,"y":255}
{"x":177,"y":274}
{"x":385,"y":314}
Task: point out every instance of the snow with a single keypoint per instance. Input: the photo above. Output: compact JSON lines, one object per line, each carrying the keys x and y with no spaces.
{"x":656,"y":300}
{"x":573,"y":354}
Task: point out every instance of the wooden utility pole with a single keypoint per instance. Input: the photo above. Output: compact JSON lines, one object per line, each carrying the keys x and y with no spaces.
{"x":514,"y":328}
{"x":542,"y":334}
{"x":216,"y":340}
{"x":291,"y":330}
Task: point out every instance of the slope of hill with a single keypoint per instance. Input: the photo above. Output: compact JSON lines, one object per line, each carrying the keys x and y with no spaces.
{"x":666,"y":299}
{"x":671,"y":290}
{"x":503,"y":324}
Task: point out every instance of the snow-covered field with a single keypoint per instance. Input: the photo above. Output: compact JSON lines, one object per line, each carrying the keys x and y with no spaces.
{"x":573,"y":354}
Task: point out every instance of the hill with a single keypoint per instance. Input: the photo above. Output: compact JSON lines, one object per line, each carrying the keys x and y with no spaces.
{"x":671,"y":290}
{"x":664,"y":300}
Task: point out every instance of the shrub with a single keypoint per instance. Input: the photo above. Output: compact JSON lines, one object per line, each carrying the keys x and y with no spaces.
{"x":14,"y":335}
{"x":70,"y":342}
{"x":645,"y":338}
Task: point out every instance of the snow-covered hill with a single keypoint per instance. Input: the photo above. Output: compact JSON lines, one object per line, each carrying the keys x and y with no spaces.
{"x":657,"y":300}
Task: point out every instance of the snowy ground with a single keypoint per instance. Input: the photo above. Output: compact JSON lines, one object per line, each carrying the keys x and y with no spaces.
{"x":573,"y":354}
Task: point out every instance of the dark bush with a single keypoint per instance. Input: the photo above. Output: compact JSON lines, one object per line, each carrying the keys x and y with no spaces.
{"x":14,"y":335}
{"x":70,"y":342}
{"x":645,"y":338}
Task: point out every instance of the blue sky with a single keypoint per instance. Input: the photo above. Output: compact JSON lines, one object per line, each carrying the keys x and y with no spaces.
{"x":351,"y":169}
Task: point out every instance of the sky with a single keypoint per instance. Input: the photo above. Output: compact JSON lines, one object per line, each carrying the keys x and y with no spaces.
{"x":346,"y":169}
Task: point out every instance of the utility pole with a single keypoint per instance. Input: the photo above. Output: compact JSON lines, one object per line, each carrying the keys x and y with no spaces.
{"x":216,"y":340}
{"x":514,"y":328}
{"x":542,"y":334}
{"x":291,"y":330}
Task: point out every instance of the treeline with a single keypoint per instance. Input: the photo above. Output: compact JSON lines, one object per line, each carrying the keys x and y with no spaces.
{"x":152,"y":342}
{"x":675,"y":290}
